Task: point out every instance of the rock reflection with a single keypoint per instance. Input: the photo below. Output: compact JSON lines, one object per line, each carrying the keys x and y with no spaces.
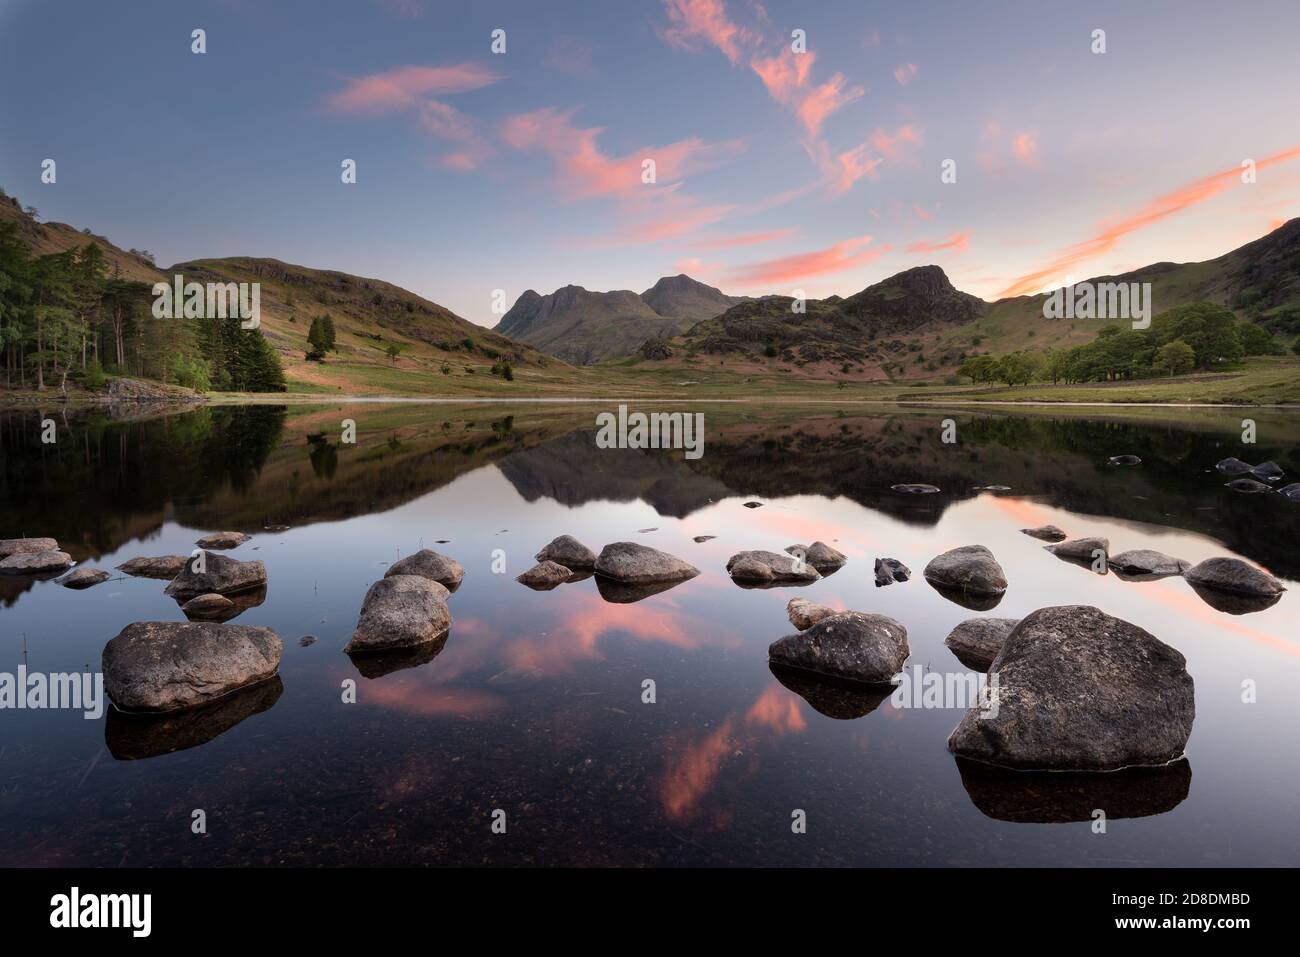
{"x":1059,"y":797}
{"x":376,"y":664}
{"x":1233,"y":603}
{"x":622,"y":593}
{"x":131,"y":737}
{"x":839,"y":700}
{"x":960,"y":596}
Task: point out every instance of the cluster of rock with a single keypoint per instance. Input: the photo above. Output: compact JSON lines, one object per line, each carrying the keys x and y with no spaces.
{"x":1262,"y":478}
{"x":32,"y":556}
{"x":625,"y":571}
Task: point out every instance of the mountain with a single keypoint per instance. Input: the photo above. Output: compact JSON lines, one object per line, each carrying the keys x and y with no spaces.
{"x":46,"y":238}
{"x":582,"y":327}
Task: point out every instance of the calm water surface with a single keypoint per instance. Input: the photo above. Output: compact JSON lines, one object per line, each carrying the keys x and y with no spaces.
{"x":534,"y":704}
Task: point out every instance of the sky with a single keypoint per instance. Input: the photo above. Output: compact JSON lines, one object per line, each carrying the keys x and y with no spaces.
{"x":807,"y":163}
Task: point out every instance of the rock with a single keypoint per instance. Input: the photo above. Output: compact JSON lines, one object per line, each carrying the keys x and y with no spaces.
{"x":890,"y":570}
{"x":209,"y":604}
{"x":1145,"y":564}
{"x":166,"y":665}
{"x":698,"y":539}
{"x":820,"y":556}
{"x":84,"y":577}
{"x":1123,"y":460}
{"x":1250,"y":486}
{"x":306,"y":641}
{"x":275,"y":528}
{"x":447,"y":572}
{"x":545,"y":576}
{"x":1045,"y":533}
{"x":916,"y":489}
{"x":753,"y":505}
{"x":569,"y":552}
{"x":35,"y":563}
{"x":1268,"y":472}
{"x":971,"y":569}
{"x":401,"y":611}
{"x":1085,"y":551}
{"x":976,"y":642}
{"x":761,"y":566}
{"x":1233,"y":466}
{"x":163,"y":566}
{"x":223,"y":540}
{"x":1292,"y":492}
{"x":1078,"y":690}
{"x":850,"y":646}
{"x":220,"y":574}
{"x":1235,"y":576}
{"x":634,"y":564}
{"x":804,"y":613}
{"x":17,"y":546}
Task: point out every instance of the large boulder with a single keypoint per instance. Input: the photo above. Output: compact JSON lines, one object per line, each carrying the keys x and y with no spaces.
{"x":634,"y":564}
{"x":1079,"y":690}
{"x":977,"y":641}
{"x":36,"y":563}
{"x":166,"y":665}
{"x":762,"y":567}
{"x":569,"y":552}
{"x":160,"y":566}
{"x":427,"y":563}
{"x":971,"y":569}
{"x":1235,"y":576}
{"x":849,"y":646}
{"x":1143,"y":564}
{"x":223,"y":540}
{"x":216,"y":573}
{"x":84,"y":577}
{"x":544,"y":576}
{"x":804,"y":614}
{"x":1084,"y":551}
{"x":15,"y":546}
{"x":401,"y":611}
{"x":820,"y":556}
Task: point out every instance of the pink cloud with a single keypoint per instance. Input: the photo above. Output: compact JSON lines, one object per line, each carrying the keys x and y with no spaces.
{"x":841,"y":170}
{"x":837,"y":258}
{"x":894,"y":145}
{"x":1025,"y":148}
{"x":744,"y":239}
{"x":402,"y":87}
{"x":957,"y":242}
{"x":695,"y":21}
{"x":447,"y":122}
{"x":904,"y":73}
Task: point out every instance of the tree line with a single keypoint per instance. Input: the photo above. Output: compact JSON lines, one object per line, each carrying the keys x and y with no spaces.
{"x":1199,"y":335}
{"x":70,"y":316}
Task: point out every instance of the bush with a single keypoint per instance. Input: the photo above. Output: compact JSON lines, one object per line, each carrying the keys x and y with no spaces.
{"x":94,"y":378}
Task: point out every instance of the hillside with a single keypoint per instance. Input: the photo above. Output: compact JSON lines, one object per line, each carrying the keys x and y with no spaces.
{"x":45,"y":238}
{"x":581,"y":326}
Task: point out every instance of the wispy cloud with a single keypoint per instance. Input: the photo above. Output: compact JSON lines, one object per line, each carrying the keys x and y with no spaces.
{"x":905,"y":73}
{"x":744,"y":239}
{"x":957,"y":243}
{"x":1110,"y":233}
{"x":839,"y":257}
{"x":696,"y":22}
{"x":404,"y":87}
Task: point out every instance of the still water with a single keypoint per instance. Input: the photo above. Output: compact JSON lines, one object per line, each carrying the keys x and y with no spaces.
{"x":534,"y":705}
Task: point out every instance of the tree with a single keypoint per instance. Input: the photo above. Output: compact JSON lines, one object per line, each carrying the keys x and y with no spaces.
{"x":393,"y":351}
{"x":1175,"y":357}
{"x":1210,"y":330}
{"x":317,"y":340}
{"x":1256,"y":341}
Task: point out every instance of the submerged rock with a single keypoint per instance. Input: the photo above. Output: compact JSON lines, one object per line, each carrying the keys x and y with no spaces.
{"x":544,"y":576}
{"x":1233,"y":466}
{"x":971,"y":569}
{"x":915,"y":489}
{"x":1123,"y":460}
{"x":225,"y":576}
{"x":761,"y":567}
{"x":36,"y":563}
{"x":890,"y":570}
{"x":84,"y":577}
{"x":166,"y":665}
{"x":17,"y":546}
{"x":162,"y":566}
{"x":1292,"y":491}
{"x":569,"y":552}
{"x":1085,"y":551}
{"x":427,"y":563}
{"x":849,"y":646}
{"x":1249,"y":486}
{"x":1145,"y":564}
{"x":634,"y":564}
{"x":1080,"y":690}
{"x":804,"y":614}
{"x":1045,"y":533}
{"x":1268,"y":472}
{"x":400,"y":611}
{"x":223,"y":540}
{"x":977,"y":641}
{"x":1235,"y":576}
{"x":820,"y":556}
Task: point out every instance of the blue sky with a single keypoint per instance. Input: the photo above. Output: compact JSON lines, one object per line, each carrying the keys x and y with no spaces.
{"x":776,"y":170}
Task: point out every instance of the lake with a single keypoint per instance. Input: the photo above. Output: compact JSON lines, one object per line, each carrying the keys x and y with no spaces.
{"x":534,"y":705}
